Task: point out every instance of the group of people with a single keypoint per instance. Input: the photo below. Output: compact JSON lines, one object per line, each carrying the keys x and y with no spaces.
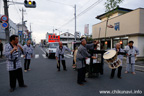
{"x":82,"y":54}
{"x":13,"y":52}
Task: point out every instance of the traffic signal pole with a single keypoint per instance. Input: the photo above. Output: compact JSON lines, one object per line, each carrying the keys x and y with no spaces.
{"x":6,"y":13}
{"x":75,"y":20}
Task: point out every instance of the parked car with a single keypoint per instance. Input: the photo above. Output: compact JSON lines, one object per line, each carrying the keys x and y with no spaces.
{"x":51,"y":49}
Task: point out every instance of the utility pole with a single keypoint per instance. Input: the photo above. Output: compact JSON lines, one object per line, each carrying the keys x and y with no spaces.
{"x":22,"y":37}
{"x":75,"y":20}
{"x":6,"y":13}
{"x":22,"y":27}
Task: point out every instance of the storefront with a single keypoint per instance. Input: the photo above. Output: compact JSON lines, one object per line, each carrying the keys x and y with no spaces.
{"x":123,"y":25}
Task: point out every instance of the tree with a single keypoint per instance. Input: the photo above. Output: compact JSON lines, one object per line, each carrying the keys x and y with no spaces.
{"x":112,"y":4}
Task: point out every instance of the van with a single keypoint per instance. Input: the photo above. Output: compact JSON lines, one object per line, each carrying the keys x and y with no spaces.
{"x":51,"y":49}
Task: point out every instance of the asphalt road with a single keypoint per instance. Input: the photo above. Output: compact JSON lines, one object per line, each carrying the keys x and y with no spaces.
{"x":45,"y":80}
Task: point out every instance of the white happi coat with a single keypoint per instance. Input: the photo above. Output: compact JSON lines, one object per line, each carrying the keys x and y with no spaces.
{"x":28,"y":51}
{"x":131,"y":51}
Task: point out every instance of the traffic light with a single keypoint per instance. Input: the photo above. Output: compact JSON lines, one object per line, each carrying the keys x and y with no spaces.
{"x":30,"y":4}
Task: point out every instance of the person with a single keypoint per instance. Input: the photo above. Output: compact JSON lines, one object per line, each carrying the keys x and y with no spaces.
{"x":28,"y":53}
{"x":120,"y":56}
{"x":1,"y":49}
{"x":132,"y":52}
{"x":13,"y":53}
{"x":82,"y":55}
{"x":60,"y":55}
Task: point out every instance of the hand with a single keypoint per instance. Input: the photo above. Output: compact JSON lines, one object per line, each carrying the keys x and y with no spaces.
{"x":56,"y":58}
{"x":135,"y":55}
{"x":127,"y":54}
{"x":24,"y":56}
{"x":93,"y":57}
{"x":19,"y":46}
{"x":31,"y":56}
{"x":15,"y":48}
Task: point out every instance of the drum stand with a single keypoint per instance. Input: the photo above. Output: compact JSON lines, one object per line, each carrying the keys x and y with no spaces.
{"x":99,"y":65}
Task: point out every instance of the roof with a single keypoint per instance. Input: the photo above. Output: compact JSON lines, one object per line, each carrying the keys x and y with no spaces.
{"x":118,"y":9}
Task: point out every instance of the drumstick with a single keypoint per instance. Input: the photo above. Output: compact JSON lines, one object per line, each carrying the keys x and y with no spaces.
{"x":57,"y":63}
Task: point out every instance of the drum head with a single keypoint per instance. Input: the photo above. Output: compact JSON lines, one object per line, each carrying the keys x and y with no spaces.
{"x":109,"y":54}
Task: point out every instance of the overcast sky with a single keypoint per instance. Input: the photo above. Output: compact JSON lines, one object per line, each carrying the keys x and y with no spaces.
{"x":48,"y":15}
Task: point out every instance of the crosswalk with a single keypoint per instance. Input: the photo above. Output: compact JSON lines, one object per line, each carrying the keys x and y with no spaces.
{"x":36,"y":56}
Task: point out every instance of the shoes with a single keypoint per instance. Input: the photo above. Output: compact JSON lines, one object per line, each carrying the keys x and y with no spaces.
{"x":133,"y":73}
{"x":85,"y":81}
{"x":29,"y":69}
{"x":111,"y":77}
{"x":120,"y":77}
{"x":11,"y":90}
{"x":126,"y":72}
{"x":65,"y":69}
{"x":25,"y":70}
{"x":58,"y":69}
{"x":24,"y":86}
{"x":81,"y":84}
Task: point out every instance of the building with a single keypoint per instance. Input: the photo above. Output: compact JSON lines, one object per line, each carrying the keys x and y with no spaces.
{"x":47,"y":36}
{"x":125,"y":25}
{"x":67,"y":37}
{"x":13,"y":29}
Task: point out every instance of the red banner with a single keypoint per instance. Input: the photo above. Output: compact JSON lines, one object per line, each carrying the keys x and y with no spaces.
{"x":54,"y":38}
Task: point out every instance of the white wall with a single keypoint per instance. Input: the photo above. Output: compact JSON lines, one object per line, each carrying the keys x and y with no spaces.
{"x":139,"y":43}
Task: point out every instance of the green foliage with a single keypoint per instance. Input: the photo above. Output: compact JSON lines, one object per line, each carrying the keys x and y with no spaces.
{"x":112,"y":4}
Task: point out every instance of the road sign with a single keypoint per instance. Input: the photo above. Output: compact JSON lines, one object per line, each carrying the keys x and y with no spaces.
{"x":4,"y":24}
{"x":4,"y":18}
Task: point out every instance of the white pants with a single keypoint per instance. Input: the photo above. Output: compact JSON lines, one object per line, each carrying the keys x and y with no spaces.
{"x":132,"y":67}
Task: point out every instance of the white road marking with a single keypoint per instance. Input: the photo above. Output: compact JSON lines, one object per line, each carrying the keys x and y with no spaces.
{"x":36,"y":56}
{"x":69,"y":55}
{"x":43,"y":50}
{"x":44,"y":55}
{"x":139,"y":66}
{"x":2,"y":63}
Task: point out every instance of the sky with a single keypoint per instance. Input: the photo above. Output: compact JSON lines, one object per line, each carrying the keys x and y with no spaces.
{"x":53,"y":14}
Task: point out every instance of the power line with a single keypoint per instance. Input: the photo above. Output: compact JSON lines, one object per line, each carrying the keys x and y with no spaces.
{"x":90,"y":7}
{"x":60,"y":3}
{"x":83,"y":12}
{"x":16,"y":9}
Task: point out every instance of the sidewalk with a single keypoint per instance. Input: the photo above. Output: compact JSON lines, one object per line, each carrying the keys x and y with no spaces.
{"x":139,"y":65}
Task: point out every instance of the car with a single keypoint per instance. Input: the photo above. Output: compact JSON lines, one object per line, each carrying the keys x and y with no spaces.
{"x":51,"y":49}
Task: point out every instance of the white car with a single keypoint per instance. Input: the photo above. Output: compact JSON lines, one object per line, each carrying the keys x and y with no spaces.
{"x":51,"y":49}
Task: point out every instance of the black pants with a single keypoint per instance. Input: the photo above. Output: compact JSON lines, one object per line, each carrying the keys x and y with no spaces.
{"x":16,"y":74}
{"x":63,"y":63}
{"x":81,"y":75}
{"x":119,"y":72}
{"x":26,"y":64}
{"x":1,"y":52}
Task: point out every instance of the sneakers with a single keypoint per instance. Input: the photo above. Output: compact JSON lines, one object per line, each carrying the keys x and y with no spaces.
{"x":25,"y":70}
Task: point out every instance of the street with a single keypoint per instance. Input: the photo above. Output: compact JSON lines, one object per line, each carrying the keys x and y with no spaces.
{"x":45,"y":80}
